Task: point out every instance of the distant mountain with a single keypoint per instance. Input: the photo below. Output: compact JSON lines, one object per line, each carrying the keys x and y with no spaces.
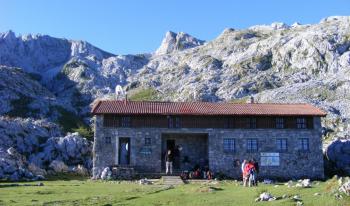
{"x":273,"y":63}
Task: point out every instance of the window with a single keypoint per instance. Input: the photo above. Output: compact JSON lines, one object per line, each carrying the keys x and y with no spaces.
{"x":174,"y":122}
{"x":110,"y":121}
{"x":251,"y":122}
{"x":229,"y":144}
{"x":301,"y":123}
{"x":252,"y":145}
{"x":148,"y":141}
{"x":281,"y":144}
{"x":177,"y":122}
{"x":304,"y":144}
{"x":279,"y":123}
{"x":126,"y":122}
{"x":108,"y":140}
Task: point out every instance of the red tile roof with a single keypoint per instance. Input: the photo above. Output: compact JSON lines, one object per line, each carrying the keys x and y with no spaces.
{"x":203,"y":108}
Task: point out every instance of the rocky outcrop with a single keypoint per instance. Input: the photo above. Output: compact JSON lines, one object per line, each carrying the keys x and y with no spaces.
{"x":13,"y":166}
{"x":338,"y":156}
{"x":29,"y":148}
{"x":177,"y":42}
{"x":21,"y":95}
{"x":70,"y":150}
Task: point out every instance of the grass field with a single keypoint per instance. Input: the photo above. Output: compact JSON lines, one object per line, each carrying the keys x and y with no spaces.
{"x":86,"y":192}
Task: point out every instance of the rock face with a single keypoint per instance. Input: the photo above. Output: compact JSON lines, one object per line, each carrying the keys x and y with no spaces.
{"x":58,"y":166}
{"x":22,"y":140}
{"x":177,"y":42}
{"x":338,"y":155}
{"x":71,"y":150}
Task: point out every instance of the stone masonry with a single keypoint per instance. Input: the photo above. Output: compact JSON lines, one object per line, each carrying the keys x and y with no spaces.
{"x":148,"y":158}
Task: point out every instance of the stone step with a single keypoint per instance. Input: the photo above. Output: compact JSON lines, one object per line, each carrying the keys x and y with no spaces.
{"x":172,"y":180}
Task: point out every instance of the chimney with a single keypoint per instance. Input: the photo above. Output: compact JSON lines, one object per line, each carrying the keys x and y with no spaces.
{"x":126,"y":98}
{"x":251,"y":101}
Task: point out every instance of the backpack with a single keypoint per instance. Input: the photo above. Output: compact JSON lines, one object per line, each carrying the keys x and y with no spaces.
{"x":251,"y":171}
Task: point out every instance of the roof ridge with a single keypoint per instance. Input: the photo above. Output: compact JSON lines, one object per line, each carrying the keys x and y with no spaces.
{"x":255,"y":103}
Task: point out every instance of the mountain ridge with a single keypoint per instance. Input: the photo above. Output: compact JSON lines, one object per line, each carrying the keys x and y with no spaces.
{"x":263,"y":61}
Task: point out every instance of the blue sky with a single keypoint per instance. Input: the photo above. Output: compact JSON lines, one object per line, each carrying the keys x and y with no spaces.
{"x":131,"y":26}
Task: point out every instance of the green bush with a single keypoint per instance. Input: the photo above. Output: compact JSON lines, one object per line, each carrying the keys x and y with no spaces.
{"x":85,"y":132}
{"x":71,"y":122}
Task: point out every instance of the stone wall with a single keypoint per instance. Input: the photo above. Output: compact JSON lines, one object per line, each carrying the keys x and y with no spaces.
{"x":144,"y":158}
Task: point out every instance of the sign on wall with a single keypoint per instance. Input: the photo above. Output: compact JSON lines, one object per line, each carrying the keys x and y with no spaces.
{"x":269,"y":159}
{"x":146,"y":151}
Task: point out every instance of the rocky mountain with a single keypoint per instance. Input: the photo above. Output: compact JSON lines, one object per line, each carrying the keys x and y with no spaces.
{"x":56,"y":79}
{"x":177,"y":42}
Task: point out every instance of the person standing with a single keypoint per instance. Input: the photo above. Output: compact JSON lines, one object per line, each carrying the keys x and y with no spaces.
{"x":169,"y":162}
{"x":244,"y":175}
{"x":256,"y":166}
{"x":250,"y":171}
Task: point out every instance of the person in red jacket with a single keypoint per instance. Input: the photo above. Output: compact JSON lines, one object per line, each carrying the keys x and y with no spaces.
{"x":249,"y":170}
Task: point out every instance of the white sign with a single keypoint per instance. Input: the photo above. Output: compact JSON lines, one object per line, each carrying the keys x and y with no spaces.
{"x":269,"y":159}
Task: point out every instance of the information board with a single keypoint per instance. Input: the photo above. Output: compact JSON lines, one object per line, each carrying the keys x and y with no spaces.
{"x":269,"y":159}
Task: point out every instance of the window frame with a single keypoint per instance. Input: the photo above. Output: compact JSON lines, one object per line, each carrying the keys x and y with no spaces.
{"x":251,"y":122}
{"x":301,"y":123}
{"x":250,"y":144}
{"x":302,"y":142}
{"x":230,"y":146}
{"x":174,"y":122}
{"x":148,"y":141}
{"x":125,"y":121}
{"x":280,"y":145}
{"x":279,"y":123}
{"x":108,"y":140}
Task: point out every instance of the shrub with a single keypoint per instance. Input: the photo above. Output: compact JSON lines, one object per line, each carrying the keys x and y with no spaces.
{"x":85,"y":132}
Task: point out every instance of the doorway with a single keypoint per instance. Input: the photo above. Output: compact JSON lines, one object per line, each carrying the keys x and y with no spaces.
{"x":189,"y":150}
{"x":124,"y":151}
{"x":170,"y":145}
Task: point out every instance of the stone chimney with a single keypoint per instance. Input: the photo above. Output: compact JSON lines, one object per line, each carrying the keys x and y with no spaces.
{"x":126,"y":98}
{"x":251,"y":100}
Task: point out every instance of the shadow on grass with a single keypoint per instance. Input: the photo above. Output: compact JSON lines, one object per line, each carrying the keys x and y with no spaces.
{"x":132,"y":198}
{"x":216,"y":188}
{"x":66,"y":177}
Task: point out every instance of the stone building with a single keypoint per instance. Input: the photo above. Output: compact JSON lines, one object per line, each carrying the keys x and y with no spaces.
{"x":284,"y":138}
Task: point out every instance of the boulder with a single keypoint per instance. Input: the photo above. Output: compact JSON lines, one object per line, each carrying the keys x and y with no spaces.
{"x":36,"y":170}
{"x":80,"y":170}
{"x":58,"y":166}
{"x":265,"y":196}
{"x":296,"y":198}
{"x":145,"y":181}
{"x":106,"y":172}
{"x":345,"y":188}
{"x":289,"y":183}
{"x":338,"y":156}
{"x":306,"y":183}
{"x":72,"y":150}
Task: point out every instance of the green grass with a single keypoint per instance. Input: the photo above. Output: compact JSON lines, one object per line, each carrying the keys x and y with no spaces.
{"x":86,"y":192}
{"x":147,"y":94}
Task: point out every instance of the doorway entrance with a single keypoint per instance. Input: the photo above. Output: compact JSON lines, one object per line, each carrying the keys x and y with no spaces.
{"x":189,"y":150}
{"x":124,"y":151}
